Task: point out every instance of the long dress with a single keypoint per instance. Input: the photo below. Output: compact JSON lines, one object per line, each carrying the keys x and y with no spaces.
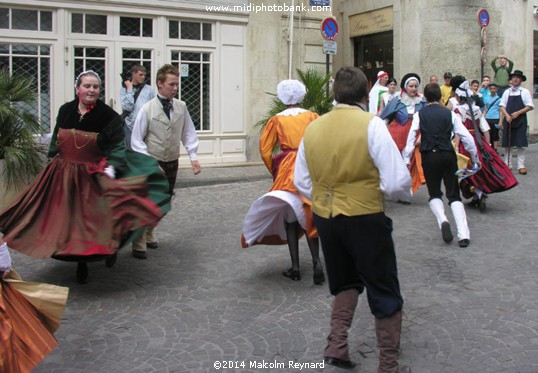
{"x":266,"y":218}
{"x":400,"y":116}
{"x":72,"y":210}
{"x":26,"y":331}
{"x":494,"y":176}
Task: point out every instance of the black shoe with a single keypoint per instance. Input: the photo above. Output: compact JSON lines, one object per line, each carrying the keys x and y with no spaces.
{"x":111,"y":260}
{"x":404,"y":202}
{"x":140,"y":254}
{"x":464,"y":243}
{"x":482,"y":202}
{"x":292,"y":274}
{"x":473,"y":202}
{"x":152,"y":245}
{"x":344,"y":364}
{"x":405,"y":369}
{"x":446,"y":232}
{"x":82,"y":273}
{"x":319,"y":277}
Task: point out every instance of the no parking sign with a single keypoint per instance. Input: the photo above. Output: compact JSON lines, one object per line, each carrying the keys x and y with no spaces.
{"x":329,"y":28}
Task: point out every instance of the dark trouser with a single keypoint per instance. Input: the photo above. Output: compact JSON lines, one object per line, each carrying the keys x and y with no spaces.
{"x":170,"y":171}
{"x":128,"y":133}
{"x":359,"y":252}
{"x":441,"y":166}
{"x":493,"y":130}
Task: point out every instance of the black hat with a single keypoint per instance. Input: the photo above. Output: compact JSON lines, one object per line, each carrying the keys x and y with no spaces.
{"x":456,"y":81}
{"x":407,"y":76}
{"x":518,"y":73}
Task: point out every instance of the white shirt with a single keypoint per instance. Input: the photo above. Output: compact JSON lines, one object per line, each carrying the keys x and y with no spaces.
{"x":395,"y":181}
{"x":189,"y":139}
{"x":517,"y":91}
{"x":457,"y":127}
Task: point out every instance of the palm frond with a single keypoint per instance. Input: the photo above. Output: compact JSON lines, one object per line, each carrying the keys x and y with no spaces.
{"x":23,"y":156}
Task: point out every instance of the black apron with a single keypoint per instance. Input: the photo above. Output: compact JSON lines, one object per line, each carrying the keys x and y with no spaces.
{"x":517,"y":130}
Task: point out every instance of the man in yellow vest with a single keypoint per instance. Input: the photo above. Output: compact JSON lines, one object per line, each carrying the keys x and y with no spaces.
{"x":161,"y":126}
{"x":346,"y":162}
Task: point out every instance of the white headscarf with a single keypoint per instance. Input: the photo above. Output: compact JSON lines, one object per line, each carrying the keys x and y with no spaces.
{"x":290,"y":92}
{"x":375,"y":93}
{"x":463,"y":90}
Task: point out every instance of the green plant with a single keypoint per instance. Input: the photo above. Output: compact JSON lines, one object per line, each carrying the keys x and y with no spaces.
{"x":316,"y":99}
{"x":22,"y":155}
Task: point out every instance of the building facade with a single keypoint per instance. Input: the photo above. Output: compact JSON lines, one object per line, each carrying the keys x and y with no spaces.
{"x":230,"y":54}
{"x":432,"y":37}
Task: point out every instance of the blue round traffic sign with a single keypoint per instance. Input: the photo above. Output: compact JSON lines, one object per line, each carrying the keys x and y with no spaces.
{"x":329,"y":28}
{"x":483,"y":17}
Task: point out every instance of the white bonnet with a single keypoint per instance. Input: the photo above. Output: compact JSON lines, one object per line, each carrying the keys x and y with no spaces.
{"x":290,"y":91}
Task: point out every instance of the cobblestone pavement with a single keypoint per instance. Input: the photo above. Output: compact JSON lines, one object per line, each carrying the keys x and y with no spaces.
{"x":201,"y":298}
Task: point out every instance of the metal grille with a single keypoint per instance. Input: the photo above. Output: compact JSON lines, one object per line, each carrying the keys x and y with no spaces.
{"x":32,"y":60}
{"x":131,"y":57}
{"x":190,"y":30}
{"x":25,"y":19}
{"x":134,"y":26}
{"x":89,"y":23}
{"x":91,"y":59}
{"x":173,"y":29}
{"x":195,"y":85}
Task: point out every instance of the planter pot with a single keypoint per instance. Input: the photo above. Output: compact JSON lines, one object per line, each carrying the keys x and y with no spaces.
{"x":6,"y":196}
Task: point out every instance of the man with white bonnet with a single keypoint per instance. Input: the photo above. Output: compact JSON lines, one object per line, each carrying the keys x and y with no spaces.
{"x":281,"y":216}
{"x":377,"y":90}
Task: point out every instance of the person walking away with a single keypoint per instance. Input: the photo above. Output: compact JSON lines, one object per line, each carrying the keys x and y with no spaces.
{"x":436,"y":123}
{"x":516,"y":102}
{"x":161,"y":126}
{"x":133,"y":95}
{"x":345,"y":162}
{"x":282,"y":215}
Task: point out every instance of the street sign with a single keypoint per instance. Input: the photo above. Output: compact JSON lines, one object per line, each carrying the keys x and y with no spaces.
{"x":320,"y":2}
{"x":329,"y":28}
{"x":329,"y":47}
{"x":483,"y":17}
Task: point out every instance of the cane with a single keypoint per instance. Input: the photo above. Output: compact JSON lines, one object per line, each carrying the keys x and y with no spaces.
{"x":508,"y":155}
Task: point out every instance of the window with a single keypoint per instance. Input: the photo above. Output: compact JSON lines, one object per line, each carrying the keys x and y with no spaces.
{"x":88,"y":23}
{"x":131,"y":26}
{"x":91,"y":59}
{"x":32,"y":60}
{"x":189,"y":30}
{"x":131,"y":57}
{"x":194,"y":81}
{"x":25,"y":19}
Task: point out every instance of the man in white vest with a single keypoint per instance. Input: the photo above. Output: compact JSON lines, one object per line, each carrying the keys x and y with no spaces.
{"x":159,"y":128}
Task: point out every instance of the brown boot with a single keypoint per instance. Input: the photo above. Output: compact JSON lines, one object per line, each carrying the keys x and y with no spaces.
{"x":388,"y":332}
{"x":139,"y":246}
{"x":337,"y":352}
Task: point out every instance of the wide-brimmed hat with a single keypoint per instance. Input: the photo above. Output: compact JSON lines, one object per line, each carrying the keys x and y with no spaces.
{"x":518,"y":73}
{"x":408,"y":76}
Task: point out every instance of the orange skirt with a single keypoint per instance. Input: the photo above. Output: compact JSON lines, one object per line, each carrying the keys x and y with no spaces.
{"x":399,"y":134}
{"x":25,"y":339}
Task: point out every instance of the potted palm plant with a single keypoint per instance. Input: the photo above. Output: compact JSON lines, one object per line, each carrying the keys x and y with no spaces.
{"x":21,"y":157}
{"x":317,"y":99}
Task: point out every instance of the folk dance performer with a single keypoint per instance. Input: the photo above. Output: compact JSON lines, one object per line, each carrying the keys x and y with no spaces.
{"x":398,"y":114}
{"x":436,"y":123}
{"x":281,"y":216}
{"x":494,"y":176}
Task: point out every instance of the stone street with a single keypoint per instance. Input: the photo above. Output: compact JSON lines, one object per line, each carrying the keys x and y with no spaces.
{"x":201,"y":300}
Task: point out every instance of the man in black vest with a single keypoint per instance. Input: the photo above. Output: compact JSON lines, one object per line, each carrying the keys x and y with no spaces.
{"x":436,"y":124}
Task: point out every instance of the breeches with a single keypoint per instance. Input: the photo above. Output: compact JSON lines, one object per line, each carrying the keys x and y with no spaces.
{"x":441,"y":166}
{"x":170,"y":171}
{"x":359,"y":253}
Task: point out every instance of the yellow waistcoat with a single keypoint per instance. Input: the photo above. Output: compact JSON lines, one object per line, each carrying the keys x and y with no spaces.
{"x":344,"y":178}
{"x":164,"y":135}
